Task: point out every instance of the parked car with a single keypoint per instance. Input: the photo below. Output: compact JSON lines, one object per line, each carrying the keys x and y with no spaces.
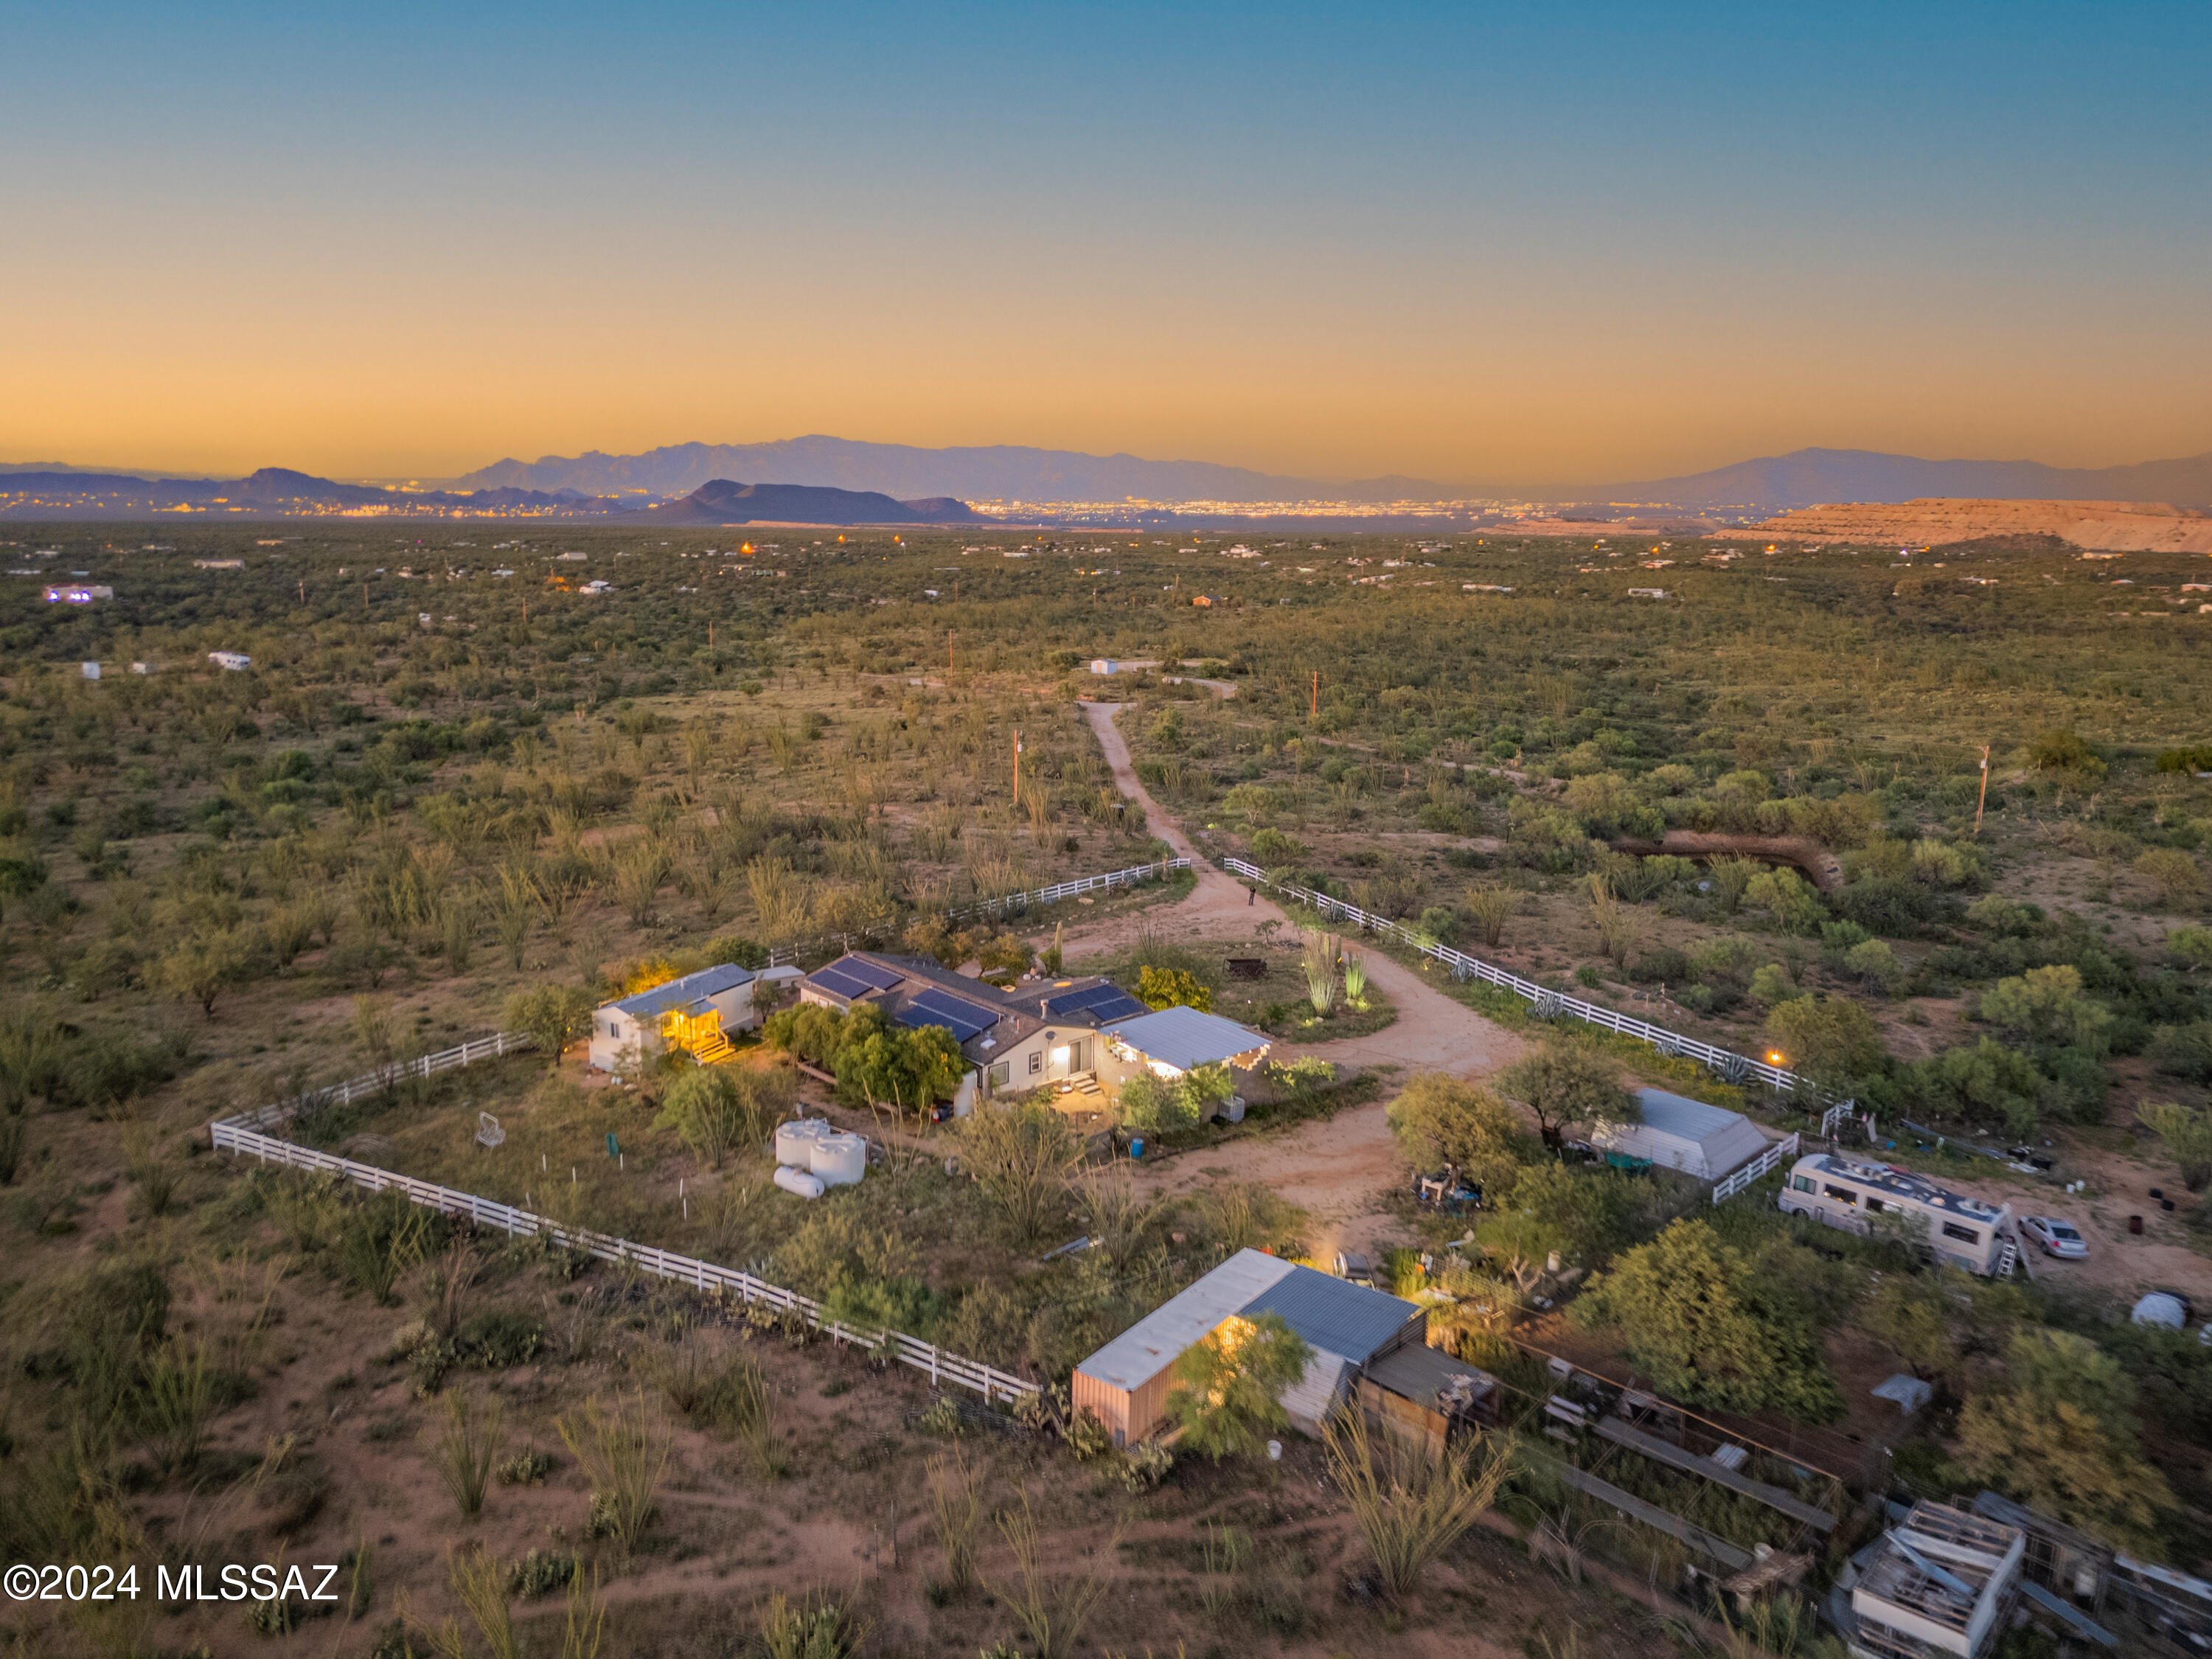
{"x":2054,"y":1237}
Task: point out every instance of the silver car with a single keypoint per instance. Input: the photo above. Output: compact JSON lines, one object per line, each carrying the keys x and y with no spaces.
{"x":2054,"y":1237}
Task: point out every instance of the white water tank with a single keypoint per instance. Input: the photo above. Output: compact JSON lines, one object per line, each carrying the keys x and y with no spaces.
{"x":799,"y":1181}
{"x":839,"y":1159}
{"x":795,"y":1140}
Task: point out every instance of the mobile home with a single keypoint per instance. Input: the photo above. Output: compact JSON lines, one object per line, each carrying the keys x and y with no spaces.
{"x":1962,"y":1231}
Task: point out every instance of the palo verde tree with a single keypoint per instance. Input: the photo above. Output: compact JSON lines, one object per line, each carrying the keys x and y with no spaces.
{"x":1227,"y":1386}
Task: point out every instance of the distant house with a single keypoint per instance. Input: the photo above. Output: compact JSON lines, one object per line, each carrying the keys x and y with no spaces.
{"x":695,"y":1013}
{"x":1035,"y":1034}
{"x":1125,"y":1384}
{"x":231,"y":661}
{"x":1104,"y":665}
{"x":78,"y":593}
{"x":1680,"y":1134}
{"x":219,"y":564}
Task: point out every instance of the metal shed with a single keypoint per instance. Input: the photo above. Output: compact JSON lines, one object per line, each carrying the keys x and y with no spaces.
{"x":1680,"y":1134}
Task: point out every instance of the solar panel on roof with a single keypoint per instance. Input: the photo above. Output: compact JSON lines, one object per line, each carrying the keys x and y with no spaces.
{"x":874,"y":975}
{"x":1101,"y":1002}
{"x":962,"y":1020}
{"x":838,"y":983}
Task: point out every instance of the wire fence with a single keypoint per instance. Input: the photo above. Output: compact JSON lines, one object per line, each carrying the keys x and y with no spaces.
{"x":245,"y":1134}
{"x":1008,"y":904}
{"x":1547,"y":1003}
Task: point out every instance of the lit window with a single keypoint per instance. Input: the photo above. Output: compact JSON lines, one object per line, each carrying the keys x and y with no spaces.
{"x":1843,"y":1196}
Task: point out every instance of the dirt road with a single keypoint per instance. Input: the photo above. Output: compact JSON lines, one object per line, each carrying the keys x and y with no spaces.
{"x":1337,"y":1170}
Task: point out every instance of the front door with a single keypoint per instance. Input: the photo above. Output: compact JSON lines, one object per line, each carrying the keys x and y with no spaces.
{"x":1079,"y":1054}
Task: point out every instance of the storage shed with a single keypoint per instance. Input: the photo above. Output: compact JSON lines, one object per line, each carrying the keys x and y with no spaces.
{"x":1680,"y":1134}
{"x":1125,"y":1384}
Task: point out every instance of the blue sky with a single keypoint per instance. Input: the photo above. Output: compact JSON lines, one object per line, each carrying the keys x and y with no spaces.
{"x":1471,"y":242}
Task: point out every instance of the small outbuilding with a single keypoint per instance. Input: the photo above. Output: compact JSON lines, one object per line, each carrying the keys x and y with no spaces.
{"x":1125,"y":1384}
{"x":695,"y":1013}
{"x":1170,"y":1042}
{"x":1680,"y":1134}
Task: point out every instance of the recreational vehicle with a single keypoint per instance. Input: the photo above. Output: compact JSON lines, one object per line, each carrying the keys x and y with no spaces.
{"x":1962,"y":1231}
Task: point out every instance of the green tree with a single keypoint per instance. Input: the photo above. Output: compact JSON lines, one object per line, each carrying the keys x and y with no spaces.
{"x":1832,"y":1040}
{"x":2059,"y":1432}
{"x":2178,"y":878}
{"x":554,"y":1016}
{"x":1988,"y":1080}
{"x":1173,"y":988}
{"x":2047,"y":1005}
{"x":1567,"y":1081}
{"x":2187,"y":1132}
{"x":1439,"y":1120}
{"x":1914,"y":1314}
{"x":714,"y":1109}
{"x":1023,"y":1155}
{"x":201,"y":968}
{"x":1227,"y":1386}
{"x":1582,"y":1215}
{"x":1694,"y":1316}
{"x":1793,"y":901}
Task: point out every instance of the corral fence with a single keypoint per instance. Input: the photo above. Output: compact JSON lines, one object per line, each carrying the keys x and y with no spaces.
{"x":1546,"y":1003}
{"x":1008,"y":904}
{"x":245,"y":1135}
{"x":384,"y":1078}
{"x":1773,"y":1157}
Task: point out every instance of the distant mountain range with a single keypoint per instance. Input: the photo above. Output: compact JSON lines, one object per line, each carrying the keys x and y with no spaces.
{"x":1057,"y":477}
{"x":719,"y":500}
{"x":274,"y":492}
{"x":997,"y":472}
{"x":1812,"y":477}
{"x":1055,"y":481}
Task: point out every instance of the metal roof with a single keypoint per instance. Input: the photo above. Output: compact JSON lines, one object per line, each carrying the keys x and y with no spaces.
{"x":687,"y":992}
{"x":1183,"y":1037}
{"x":1687,"y":1134}
{"x":1339,"y":1318}
{"x":1153,"y":1344}
{"x":1334,"y":1315}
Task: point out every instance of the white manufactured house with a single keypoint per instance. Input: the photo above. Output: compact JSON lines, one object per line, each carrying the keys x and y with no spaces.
{"x":1680,"y":1134}
{"x":1962,"y":1231}
{"x":695,"y":1013}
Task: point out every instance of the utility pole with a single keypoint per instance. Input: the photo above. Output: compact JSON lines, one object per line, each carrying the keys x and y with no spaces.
{"x":949,"y":659}
{"x":1316,"y":696}
{"x":1981,"y":798}
{"x":1017,"y":766}
{"x":303,"y":590}
{"x":710,"y":633}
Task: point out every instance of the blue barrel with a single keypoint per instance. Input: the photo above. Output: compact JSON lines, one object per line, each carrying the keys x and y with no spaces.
{"x":1136,"y":1149}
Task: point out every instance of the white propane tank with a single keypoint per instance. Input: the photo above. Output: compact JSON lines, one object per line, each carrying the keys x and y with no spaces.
{"x":799,"y":1181}
{"x":795,"y":1140}
{"x":839,"y":1159}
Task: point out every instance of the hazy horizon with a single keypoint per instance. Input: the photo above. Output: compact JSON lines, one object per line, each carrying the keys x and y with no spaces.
{"x":1467,"y":246}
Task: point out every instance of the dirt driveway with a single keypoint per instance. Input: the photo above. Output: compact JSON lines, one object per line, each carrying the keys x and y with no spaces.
{"x":1338,"y":1170}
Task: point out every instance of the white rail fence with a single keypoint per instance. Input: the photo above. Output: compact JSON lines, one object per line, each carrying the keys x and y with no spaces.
{"x":376,"y":1082}
{"x":1779,"y":1153}
{"x":1730,"y":1067}
{"x":245,"y":1134}
{"x":1009,"y":904}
